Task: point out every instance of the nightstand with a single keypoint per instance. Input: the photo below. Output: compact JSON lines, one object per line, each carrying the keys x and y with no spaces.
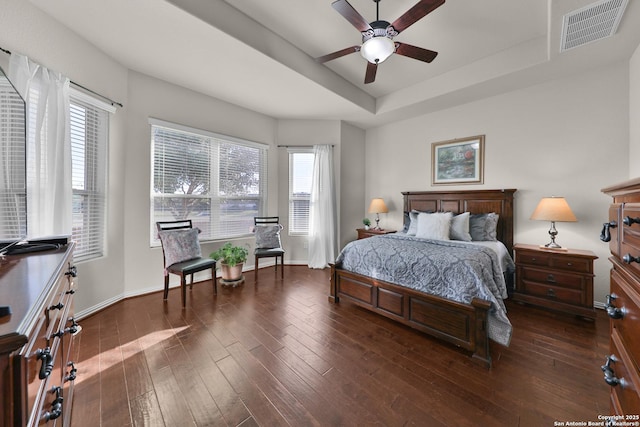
{"x":560,"y":280}
{"x":363,"y":234}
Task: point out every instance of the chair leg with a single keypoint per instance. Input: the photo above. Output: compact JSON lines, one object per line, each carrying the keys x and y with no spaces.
{"x":282,"y":267}
{"x":255,"y":270}
{"x":213,"y":279}
{"x":191,"y":282}
{"x":166,"y":286}
{"x":183,"y":286}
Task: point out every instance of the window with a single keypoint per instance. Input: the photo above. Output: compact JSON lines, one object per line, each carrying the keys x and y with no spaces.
{"x":13,"y":184}
{"x":300,"y":176}
{"x":217,"y":181}
{"x":89,"y":124}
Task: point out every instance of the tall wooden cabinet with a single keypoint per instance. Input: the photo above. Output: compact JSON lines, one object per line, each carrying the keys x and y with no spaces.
{"x":622,"y":232}
{"x":36,"y":339}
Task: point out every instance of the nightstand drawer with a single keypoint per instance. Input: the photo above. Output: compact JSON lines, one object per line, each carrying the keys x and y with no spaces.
{"x":553,"y":293}
{"x":553,"y":278}
{"x":547,"y":259}
{"x":540,"y":259}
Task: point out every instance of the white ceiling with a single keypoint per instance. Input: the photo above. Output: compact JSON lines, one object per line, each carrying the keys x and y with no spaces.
{"x":259,"y":54}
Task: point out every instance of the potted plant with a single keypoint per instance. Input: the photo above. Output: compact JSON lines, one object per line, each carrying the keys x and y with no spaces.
{"x":231,"y":259}
{"x":367,"y":223}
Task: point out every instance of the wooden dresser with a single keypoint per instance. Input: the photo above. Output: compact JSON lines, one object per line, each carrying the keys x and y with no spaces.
{"x":622,"y":231}
{"x":556,"y":279}
{"x":36,"y":340}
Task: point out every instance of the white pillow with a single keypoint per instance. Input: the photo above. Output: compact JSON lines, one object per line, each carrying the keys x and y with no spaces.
{"x":413,"y":223}
{"x":434,"y":226}
{"x":460,"y":227}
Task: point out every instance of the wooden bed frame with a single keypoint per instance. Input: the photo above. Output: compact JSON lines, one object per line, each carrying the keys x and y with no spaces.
{"x":464,"y":325}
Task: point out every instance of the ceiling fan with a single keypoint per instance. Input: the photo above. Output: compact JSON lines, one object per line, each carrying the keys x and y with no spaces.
{"x":377,"y":36}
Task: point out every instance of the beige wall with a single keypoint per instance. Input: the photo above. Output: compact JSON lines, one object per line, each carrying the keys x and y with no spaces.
{"x":566,"y":137}
{"x":634,"y":115}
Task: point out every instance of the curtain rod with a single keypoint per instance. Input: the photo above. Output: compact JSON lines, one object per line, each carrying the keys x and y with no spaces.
{"x":299,"y":146}
{"x":111,"y":101}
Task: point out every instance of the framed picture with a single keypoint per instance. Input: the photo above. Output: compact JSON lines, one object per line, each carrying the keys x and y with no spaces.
{"x":458,"y":161}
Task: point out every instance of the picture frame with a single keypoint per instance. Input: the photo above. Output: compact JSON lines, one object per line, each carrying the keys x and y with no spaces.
{"x":458,"y":161}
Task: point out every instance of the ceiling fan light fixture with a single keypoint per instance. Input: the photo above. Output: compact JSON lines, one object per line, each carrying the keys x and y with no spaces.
{"x":377,"y":49}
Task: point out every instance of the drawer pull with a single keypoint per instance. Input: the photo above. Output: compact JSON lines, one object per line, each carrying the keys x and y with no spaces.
{"x":73,"y":271}
{"x":551,"y":278}
{"x":72,"y":373}
{"x":613,"y":311}
{"x":605,"y":234}
{"x":56,"y":406}
{"x":551,"y":293}
{"x":70,"y":292}
{"x":628,"y":259}
{"x":630,"y":221}
{"x":74,"y":328}
{"x":58,"y":306}
{"x":609,"y":375}
{"x":47,"y":362}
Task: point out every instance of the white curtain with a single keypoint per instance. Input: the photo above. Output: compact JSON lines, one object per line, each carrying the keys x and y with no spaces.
{"x":322,"y":209}
{"x":49,"y":187}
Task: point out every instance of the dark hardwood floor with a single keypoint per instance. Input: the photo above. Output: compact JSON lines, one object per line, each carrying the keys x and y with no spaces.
{"x":278,"y":353}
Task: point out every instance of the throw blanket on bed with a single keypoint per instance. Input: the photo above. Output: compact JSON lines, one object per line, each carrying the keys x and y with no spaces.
{"x":449,"y":269}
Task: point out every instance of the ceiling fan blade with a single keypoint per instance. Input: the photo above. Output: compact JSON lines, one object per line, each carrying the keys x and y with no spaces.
{"x":338,"y":54}
{"x":415,"y":52}
{"x":350,"y":14}
{"x":370,"y":75}
{"x":417,"y":12}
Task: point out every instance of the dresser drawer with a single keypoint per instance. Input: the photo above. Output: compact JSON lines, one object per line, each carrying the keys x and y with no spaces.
{"x":553,"y":278}
{"x":629,"y":302}
{"x":625,"y":394}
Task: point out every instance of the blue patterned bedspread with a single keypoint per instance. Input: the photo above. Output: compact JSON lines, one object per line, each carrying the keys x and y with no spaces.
{"x":453,"y":270}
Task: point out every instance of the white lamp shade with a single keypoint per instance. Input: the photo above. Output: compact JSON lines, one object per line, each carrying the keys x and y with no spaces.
{"x":377,"y":49}
{"x":378,"y":206}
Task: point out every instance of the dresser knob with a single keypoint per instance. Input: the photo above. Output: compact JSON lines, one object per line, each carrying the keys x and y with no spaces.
{"x":605,"y":234}
{"x":628,"y":259}
{"x":609,"y":375}
{"x":551,"y":293}
{"x":551,"y":278}
{"x":613,"y":311}
{"x":630,"y":221}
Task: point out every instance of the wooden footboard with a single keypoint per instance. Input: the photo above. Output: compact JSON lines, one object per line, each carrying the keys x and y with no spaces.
{"x":464,"y":325}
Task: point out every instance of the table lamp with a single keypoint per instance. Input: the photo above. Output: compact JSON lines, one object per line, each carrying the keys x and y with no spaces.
{"x":553,"y":209}
{"x":377,"y":206}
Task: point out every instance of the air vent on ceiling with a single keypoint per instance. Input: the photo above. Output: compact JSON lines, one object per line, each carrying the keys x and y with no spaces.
{"x":591,"y":23}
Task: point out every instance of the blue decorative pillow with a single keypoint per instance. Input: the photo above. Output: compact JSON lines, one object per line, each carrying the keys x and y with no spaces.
{"x":180,"y":245}
{"x":268,"y":236}
{"x":483,"y":227}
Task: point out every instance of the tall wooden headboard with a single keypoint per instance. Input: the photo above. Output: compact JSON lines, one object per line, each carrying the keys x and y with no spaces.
{"x":473,"y":201}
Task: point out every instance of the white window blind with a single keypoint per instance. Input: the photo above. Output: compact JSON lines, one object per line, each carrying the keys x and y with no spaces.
{"x":217,"y":181}
{"x":89,"y":125}
{"x":13,"y":187}
{"x":300,"y":176}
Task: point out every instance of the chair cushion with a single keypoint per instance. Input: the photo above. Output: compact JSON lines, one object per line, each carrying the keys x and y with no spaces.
{"x":268,"y":236}
{"x":180,"y":245}
{"x":268,"y":252}
{"x":192,"y":265}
